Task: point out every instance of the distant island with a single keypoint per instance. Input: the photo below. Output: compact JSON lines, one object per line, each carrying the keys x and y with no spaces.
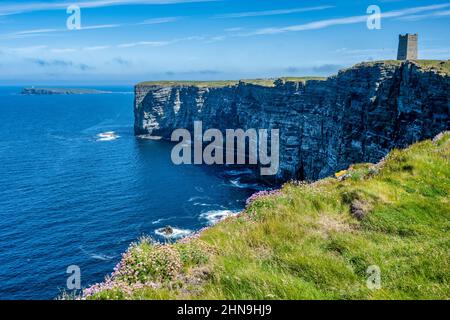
{"x":50,"y":91}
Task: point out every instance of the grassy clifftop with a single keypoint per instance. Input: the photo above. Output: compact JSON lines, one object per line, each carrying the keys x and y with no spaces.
{"x":313,"y":241}
{"x":270,"y":82}
{"x":441,"y":66}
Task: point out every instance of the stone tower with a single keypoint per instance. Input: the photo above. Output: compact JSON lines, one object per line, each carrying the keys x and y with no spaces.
{"x":407,"y":47}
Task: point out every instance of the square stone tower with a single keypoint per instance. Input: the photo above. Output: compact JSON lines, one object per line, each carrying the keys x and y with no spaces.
{"x":407,"y":47}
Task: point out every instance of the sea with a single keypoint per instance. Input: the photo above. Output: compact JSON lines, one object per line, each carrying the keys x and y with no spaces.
{"x":77,"y":187}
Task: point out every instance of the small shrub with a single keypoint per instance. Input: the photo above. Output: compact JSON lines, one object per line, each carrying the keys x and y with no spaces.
{"x":143,"y":264}
{"x":408,"y":168}
{"x":349,"y":196}
{"x":194,"y":252}
{"x":359,"y":209}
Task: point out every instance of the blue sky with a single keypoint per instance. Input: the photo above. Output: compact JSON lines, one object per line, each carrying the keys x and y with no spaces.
{"x":126,"y":41}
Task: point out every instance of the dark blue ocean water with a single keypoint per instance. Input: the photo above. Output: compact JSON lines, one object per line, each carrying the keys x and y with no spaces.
{"x":69,"y":197}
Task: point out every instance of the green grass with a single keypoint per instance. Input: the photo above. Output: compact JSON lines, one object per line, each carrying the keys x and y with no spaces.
{"x":302,"y":79}
{"x":304,"y":242}
{"x":270,"y":82}
{"x":442,"y":66}
{"x":213,"y":84}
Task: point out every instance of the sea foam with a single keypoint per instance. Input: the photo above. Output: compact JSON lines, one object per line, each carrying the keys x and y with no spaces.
{"x":107,"y":136}
{"x":176,"y":233}
{"x":215,"y":216}
{"x":238,"y":184}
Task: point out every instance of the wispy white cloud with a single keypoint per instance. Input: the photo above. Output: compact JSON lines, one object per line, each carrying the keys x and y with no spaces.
{"x":444,"y":51}
{"x":96,"y":48}
{"x":320,"y":24}
{"x":101,"y":26}
{"x":144,"y":43}
{"x":365,"y":54}
{"x":31,"y":6}
{"x":417,"y":17}
{"x":436,"y":52}
{"x":324,"y":69}
{"x":23,"y":50}
{"x":63,"y":50}
{"x":164,"y":43}
{"x":311,"y":25}
{"x":414,"y":10}
{"x":191,"y":38}
{"x":364,"y":51}
{"x":61,"y":64}
{"x":271,"y":12}
{"x":160,"y":20}
{"x":8,"y":13}
{"x":35,"y":31}
{"x":234,"y":29}
{"x":38,"y":32}
{"x":215,"y":39}
{"x":44,"y":48}
{"x":30,"y":49}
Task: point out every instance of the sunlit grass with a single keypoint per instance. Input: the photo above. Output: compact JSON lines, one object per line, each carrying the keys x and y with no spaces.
{"x":442,"y":66}
{"x":270,"y":82}
{"x":306,"y":243}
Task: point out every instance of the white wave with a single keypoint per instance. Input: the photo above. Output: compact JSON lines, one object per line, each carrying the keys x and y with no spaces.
{"x":107,"y":136}
{"x":149,"y":137}
{"x":102,"y":257}
{"x":160,"y":220}
{"x":198,"y":198}
{"x":238,"y":184}
{"x":238,"y":172}
{"x":215,"y":216}
{"x":97,"y":256}
{"x":176,"y":233}
{"x":201,"y":204}
{"x":199,"y":189}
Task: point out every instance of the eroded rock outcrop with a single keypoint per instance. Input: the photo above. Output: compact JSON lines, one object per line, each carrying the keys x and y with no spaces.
{"x":356,"y":116}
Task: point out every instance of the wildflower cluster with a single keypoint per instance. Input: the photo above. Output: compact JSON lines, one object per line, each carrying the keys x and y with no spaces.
{"x":116,"y":289}
{"x":143,"y":265}
{"x":261,"y":194}
{"x":149,"y":265}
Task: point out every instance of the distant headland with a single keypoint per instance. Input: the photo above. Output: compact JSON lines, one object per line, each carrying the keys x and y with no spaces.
{"x":51,"y":91}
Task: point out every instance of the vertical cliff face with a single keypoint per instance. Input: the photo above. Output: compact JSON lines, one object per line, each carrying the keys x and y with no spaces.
{"x":356,"y":116}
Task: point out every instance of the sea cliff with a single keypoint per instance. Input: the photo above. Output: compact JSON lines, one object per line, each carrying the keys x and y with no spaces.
{"x":358,"y":115}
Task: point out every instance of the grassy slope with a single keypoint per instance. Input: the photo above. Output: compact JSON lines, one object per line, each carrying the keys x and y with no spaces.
{"x":305,"y":243}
